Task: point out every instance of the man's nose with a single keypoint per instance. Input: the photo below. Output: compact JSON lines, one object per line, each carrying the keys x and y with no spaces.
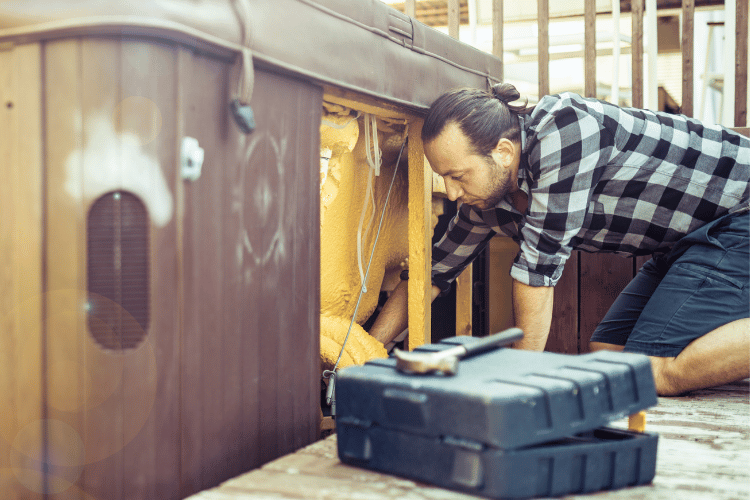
{"x":452,"y":189}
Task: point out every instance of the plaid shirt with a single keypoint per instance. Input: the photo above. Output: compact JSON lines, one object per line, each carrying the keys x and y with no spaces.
{"x":601,"y":178}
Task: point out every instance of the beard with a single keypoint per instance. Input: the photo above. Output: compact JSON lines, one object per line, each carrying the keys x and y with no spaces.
{"x":500,"y":184}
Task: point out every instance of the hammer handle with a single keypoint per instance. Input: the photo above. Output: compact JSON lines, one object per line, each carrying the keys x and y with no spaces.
{"x":497,"y":340}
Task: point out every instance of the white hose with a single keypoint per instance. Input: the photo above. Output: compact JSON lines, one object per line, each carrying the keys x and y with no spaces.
{"x":374,"y":160}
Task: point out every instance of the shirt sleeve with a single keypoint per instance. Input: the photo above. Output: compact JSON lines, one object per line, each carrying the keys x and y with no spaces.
{"x":565,"y":151}
{"x":466,"y":237}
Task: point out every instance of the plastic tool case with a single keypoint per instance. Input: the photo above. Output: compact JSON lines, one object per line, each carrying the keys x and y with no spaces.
{"x":509,"y":424}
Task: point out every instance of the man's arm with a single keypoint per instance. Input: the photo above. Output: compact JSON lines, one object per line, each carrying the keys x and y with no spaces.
{"x":532,"y":307}
{"x":393,"y":318}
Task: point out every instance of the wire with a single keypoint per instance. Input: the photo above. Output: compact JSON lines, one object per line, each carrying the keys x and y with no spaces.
{"x":331,"y":374}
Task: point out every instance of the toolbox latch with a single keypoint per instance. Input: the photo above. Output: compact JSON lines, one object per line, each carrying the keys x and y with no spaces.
{"x":467,"y":469}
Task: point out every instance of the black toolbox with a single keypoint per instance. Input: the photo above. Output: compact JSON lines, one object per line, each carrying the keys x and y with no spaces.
{"x":509,"y":424}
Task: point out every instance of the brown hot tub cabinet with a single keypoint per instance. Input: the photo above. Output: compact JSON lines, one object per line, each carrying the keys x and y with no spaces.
{"x":159,"y":323}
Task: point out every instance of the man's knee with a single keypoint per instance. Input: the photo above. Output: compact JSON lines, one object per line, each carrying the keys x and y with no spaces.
{"x":666,"y":379}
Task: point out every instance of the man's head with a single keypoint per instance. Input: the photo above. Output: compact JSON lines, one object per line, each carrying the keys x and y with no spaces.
{"x":472,"y":139}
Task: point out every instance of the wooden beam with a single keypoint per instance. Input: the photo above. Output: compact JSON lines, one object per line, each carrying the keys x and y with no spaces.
{"x":543,"y":16}
{"x":453,"y":18}
{"x":420,"y":240}
{"x":464,"y":297}
{"x":410,"y":8}
{"x":688,"y":33}
{"x":590,"y":48}
{"x":637,"y":53}
{"x":497,"y":32}
{"x":740,"y":58}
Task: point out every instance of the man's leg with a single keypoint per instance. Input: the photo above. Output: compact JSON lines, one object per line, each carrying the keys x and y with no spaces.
{"x":705,"y":289}
{"x":696,"y":326}
{"x":613,"y":330}
{"x":717,"y":358}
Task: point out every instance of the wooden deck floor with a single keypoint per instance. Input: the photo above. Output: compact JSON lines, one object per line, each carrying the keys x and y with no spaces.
{"x":703,"y":454}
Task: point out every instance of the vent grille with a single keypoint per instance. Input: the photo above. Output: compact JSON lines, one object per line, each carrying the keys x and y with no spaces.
{"x":118,"y":274}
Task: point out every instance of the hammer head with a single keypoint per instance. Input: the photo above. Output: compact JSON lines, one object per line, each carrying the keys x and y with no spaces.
{"x":425,"y":362}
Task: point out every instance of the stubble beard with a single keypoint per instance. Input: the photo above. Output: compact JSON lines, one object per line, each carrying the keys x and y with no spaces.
{"x":501,"y":184}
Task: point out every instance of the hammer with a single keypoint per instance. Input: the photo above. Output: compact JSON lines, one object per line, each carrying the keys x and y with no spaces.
{"x":446,"y":361}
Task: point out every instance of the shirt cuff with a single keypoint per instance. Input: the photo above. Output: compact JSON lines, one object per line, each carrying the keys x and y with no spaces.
{"x":528,"y":277}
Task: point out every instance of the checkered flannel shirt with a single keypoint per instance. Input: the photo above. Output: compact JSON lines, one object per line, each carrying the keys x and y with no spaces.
{"x":601,"y":178}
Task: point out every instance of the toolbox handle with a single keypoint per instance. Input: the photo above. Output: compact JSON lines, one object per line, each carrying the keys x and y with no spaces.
{"x":496,"y":340}
{"x":446,"y":361}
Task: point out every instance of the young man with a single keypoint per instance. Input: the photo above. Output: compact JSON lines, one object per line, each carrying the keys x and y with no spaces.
{"x":581,"y":174}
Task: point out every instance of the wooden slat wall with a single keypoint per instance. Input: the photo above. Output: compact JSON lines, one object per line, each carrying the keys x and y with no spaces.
{"x":228,"y":376}
{"x":250,"y":353}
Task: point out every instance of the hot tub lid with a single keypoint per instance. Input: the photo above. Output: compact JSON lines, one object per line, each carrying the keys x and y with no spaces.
{"x":364,"y":46}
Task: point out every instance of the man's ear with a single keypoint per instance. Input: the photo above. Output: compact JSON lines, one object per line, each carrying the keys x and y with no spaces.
{"x":504,"y":152}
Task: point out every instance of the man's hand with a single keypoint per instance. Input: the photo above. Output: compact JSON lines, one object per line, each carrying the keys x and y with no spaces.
{"x":393,"y":318}
{"x":532,"y":307}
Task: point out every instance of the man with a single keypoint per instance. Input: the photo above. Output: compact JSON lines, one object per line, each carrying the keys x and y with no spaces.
{"x":574,"y":173}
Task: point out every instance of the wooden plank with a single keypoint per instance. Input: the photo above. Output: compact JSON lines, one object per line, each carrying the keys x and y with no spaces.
{"x":305,"y":303}
{"x":543,"y":42}
{"x":688,"y":36}
{"x":146,"y":110}
{"x":263,"y":166}
{"x":293,"y":135}
{"x":191,"y":348}
{"x":103,"y":409}
{"x":202,"y":113}
{"x":497,"y":33}
{"x":21,"y":200}
{"x":590,"y":48}
{"x":563,"y":336}
{"x":251,"y":308}
{"x":420,"y":240}
{"x":166,"y":298}
{"x":410,"y":8}
{"x":637,"y":53}
{"x":65,"y":248}
{"x":603,"y":277}
{"x":453,"y":18}
{"x":367,"y":104}
{"x":740,"y":70}
{"x":464,"y":289}
{"x":233,"y":286}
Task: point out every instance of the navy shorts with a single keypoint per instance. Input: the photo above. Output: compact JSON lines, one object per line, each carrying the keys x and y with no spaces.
{"x":698,"y":286}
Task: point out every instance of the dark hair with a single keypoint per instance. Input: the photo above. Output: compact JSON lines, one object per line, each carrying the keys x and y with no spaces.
{"x":484,"y":116}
